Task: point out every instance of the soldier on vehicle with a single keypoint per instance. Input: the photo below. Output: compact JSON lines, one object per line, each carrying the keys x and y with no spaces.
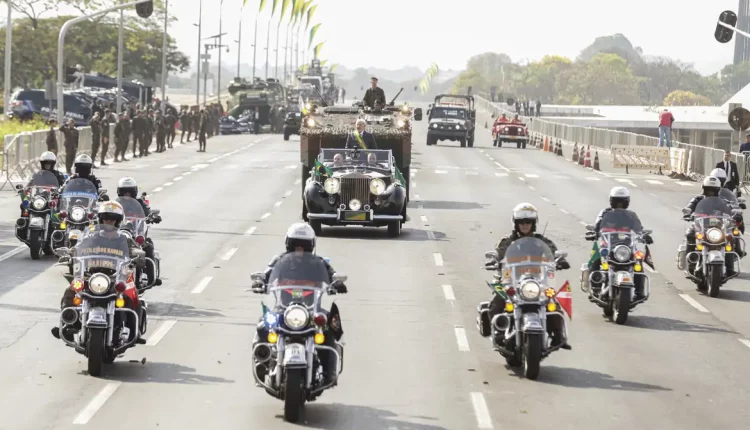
{"x":374,"y":94}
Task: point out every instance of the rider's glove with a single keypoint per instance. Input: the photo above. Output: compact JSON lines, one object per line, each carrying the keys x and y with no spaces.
{"x":648,"y":239}
{"x":258,"y":287}
{"x":157,"y":219}
{"x":563,"y":265}
{"x":590,"y":235}
{"x":340,"y":288}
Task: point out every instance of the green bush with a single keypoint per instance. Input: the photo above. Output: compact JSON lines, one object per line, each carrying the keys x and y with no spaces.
{"x":14,"y":127}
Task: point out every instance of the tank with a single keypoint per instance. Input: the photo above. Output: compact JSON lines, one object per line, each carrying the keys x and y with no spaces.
{"x":268,"y":96}
{"x":328,"y":127}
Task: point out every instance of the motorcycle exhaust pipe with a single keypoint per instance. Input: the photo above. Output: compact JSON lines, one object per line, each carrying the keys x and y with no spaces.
{"x":58,"y":235}
{"x":262,"y":353}
{"x":501,"y":322}
{"x":69,"y":316}
{"x":597,"y":277}
{"x":693,"y":257}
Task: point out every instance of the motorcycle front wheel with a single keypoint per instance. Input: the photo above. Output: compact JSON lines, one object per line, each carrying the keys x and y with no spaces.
{"x":532,"y":356}
{"x":293,"y":395}
{"x":95,"y":351}
{"x":35,"y":244}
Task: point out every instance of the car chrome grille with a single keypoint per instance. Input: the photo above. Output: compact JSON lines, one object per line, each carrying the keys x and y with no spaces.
{"x":355,"y":188}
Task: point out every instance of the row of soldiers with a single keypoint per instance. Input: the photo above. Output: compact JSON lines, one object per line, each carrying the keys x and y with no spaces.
{"x":203,"y":123}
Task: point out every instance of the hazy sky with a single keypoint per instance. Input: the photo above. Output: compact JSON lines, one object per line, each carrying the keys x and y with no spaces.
{"x":394,"y":33}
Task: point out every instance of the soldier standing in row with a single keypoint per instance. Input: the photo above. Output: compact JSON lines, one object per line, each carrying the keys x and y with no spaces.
{"x":120,"y":142}
{"x":149,"y":131}
{"x":184,"y":124}
{"x":202,"y":129}
{"x":96,"y":133}
{"x":139,"y":134}
{"x":171,"y":121}
{"x":70,"y":134}
{"x":196,"y":121}
{"x":107,"y":124}
{"x":160,"y":126}
{"x":52,"y":137}
{"x":127,"y":131}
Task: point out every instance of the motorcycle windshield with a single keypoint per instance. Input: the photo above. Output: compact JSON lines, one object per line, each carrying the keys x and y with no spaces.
{"x":711,"y":212}
{"x":43,"y":182}
{"x":730,"y":197}
{"x":618,"y":225}
{"x":528,"y":257}
{"x":103,"y":248}
{"x":298,"y":278}
{"x":78,"y":192}
{"x":135,"y":217}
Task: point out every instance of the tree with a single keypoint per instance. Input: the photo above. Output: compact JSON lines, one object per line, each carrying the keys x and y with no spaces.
{"x":471,"y":78}
{"x":606,"y":79}
{"x":540,"y":79}
{"x":686,"y":98}
{"x":615,"y":44}
{"x":34,"y":9}
{"x":735,"y":77}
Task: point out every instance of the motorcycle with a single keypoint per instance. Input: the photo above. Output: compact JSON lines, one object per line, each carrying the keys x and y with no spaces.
{"x":106,"y":309}
{"x":135,"y":226}
{"x":77,"y":202}
{"x":621,"y":265}
{"x":530,"y":304}
{"x":39,"y":220}
{"x":715,"y":236}
{"x":736,"y":202}
{"x":287,"y":364}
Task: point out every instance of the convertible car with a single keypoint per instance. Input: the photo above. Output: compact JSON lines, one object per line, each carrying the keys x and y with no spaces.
{"x":355,"y":187}
{"x":510,"y":132}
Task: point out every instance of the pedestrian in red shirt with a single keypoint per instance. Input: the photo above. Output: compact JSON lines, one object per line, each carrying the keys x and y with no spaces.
{"x":665,"y":127}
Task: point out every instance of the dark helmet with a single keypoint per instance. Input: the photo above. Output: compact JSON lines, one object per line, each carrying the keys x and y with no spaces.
{"x":48,"y":158}
{"x":83,"y":165}
{"x":711,"y":187}
{"x":300,"y":234}
{"x":111,"y":211}
{"x":127,"y":185}
{"x":619,"y":198}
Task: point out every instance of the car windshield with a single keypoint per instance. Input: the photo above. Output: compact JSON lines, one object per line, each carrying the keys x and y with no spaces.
{"x":135,"y":217}
{"x":298,"y":277}
{"x":711,"y":212}
{"x":373,"y":158}
{"x":102,"y":247}
{"x":446,"y":112}
{"x":528,"y":257}
{"x":42,"y":182}
{"x":78,"y":192}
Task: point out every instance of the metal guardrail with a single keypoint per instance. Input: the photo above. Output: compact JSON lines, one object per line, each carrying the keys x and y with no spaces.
{"x":687,"y":160}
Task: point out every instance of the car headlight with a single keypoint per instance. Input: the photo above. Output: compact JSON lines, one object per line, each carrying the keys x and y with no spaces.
{"x":434,"y":125}
{"x":401,"y":123}
{"x":78,"y":214}
{"x":99,"y":284}
{"x":458,"y":127}
{"x":377,"y":186}
{"x":622,"y":253}
{"x":39,"y":203}
{"x":311,"y":122}
{"x":295,"y":317}
{"x":332,"y":185}
{"x":715,"y":235}
{"x":530,"y":290}
{"x":355,"y":205}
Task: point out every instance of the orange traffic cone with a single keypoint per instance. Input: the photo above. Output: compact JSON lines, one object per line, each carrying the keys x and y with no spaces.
{"x":596,"y":160}
{"x":546,"y":144}
{"x":587,"y":161}
{"x":575,"y":152}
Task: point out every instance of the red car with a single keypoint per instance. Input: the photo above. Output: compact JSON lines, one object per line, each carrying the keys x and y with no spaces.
{"x":510,"y":132}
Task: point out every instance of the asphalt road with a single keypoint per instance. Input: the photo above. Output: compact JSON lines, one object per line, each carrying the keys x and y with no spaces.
{"x":414,"y":360}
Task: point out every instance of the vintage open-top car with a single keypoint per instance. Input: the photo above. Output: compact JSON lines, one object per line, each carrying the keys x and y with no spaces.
{"x":510,"y":132}
{"x":355,"y":187}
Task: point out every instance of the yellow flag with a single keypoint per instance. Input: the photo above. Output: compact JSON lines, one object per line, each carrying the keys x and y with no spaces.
{"x":284,"y":8}
{"x":333,"y":67}
{"x":313,"y":31}
{"x":310,"y":13}
{"x":273,"y":7}
{"x":317,"y":49}
{"x":323,"y":63}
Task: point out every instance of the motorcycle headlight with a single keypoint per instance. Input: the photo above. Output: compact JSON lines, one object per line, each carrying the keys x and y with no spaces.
{"x":622,"y":253}
{"x":715,"y":235}
{"x":530,"y":290}
{"x":295,"y":317}
{"x":332,"y":185}
{"x":99,"y":284}
{"x":78,"y":214}
{"x":39,"y":203}
{"x":377,"y":186}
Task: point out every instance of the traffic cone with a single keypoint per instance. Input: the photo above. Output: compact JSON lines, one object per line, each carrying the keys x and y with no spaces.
{"x":546,"y":144}
{"x":596,"y":160}
{"x":581,"y":157}
{"x":559,"y":148}
{"x":575,"y":152}
{"x":587,"y":161}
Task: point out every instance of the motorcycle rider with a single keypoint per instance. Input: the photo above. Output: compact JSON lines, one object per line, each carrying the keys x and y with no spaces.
{"x":711,"y":188}
{"x":110,"y":213}
{"x":300,"y":237}
{"x":127,"y":187}
{"x":619,"y":198}
{"x":721,"y":175}
{"x":83,"y":165}
{"x":47,"y":162}
{"x":525,"y":217}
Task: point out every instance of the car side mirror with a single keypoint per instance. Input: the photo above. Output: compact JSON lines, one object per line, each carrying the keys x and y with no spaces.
{"x":339,"y":277}
{"x":62,"y":252}
{"x":418,"y":114}
{"x":493,"y":255}
{"x":560,"y":254}
{"x":257,"y":276}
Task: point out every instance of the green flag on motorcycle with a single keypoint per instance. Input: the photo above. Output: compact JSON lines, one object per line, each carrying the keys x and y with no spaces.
{"x":595,"y":256}
{"x":499,"y":290}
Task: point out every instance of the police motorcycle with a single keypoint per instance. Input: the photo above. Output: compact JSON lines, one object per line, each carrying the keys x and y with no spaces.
{"x":528,"y":270}
{"x":106,"y":306}
{"x":715,"y":238}
{"x":621,"y":267}
{"x":78,"y":200}
{"x":288,"y":363}
{"x":135,"y":226}
{"x":737,"y":204}
{"x":39,"y":220}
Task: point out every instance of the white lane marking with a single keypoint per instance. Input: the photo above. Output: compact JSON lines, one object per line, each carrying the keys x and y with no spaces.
{"x":430,"y":235}
{"x":179,"y":178}
{"x":199,"y":166}
{"x":491,"y":159}
{"x":214,"y":159}
{"x":438,"y":257}
{"x":651,"y":181}
{"x":448,"y":292}
{"x":202,"y":285}
{"x":440,"y":172}
{"x":653,"y":195}
{"x":265,"y":215}
{"x":288,"y":193}
{"x":157,"y":189}
{"x":161,"y":332}
{"x":692,"y":302}
{"x":745,"y":342}
{"x":684,"y":184}
{"x":583,"y":223}
{"x":413,"y":184}
{"x":96,"y":403}
{"x":11,"y":253}
{"x":530,"y":175}
{"x":424,"y":218}
{"x":502,"y":167}
{"x":592,"y":178}
{"x":291,"y":166}
{"x":298,"y":181}
{"x":545,"y":199}
{"x":501,"y":175}
{"x":461,"y":339}
{"x":187,"y":173}
{"x":482,"y":413}
{"x":564,"y":211}
{"x":472,"y":173}
{"x":531,"y":187}
{"x":168,"y":184}
{"x":624,"y":180}
{"x":414,"y":172}
{"x":522,"y":178}
{"x":170,"y":166}
{"x":279,"y":203}
{"x":250,"y":231}
{"x":598,"y":172}
{"x":481,"y":151}
{"x":229,"y":254}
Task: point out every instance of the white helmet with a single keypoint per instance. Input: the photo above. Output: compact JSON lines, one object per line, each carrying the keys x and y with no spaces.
{"x":719,"y":174}
{"x":525,"y":212}
{"x":48,"y":156}
{"x":713,"y":184}
{"x":619,"y":195}
{"x":300,"y":234}
{"x":127,"y":185}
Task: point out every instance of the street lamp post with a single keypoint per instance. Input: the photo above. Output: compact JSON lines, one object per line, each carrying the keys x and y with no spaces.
{"x":8,"y":48}
{"x":268,"y":41}
{"x":218,"y":95}
{"x":239,"y":48}
{"x":120,"y":38}
{"x":164,"y":60}
{"x":255,"y":44}
{"x":198,"y":70}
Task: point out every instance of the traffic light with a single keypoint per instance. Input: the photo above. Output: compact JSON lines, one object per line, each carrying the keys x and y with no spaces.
{"x":723,"y":34}
{"x":144,"y":10}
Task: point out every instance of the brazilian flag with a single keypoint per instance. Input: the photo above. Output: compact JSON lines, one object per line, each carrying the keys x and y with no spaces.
{"x":498,"y":288}
{"x":318,"y":165}
{"x":400,"y":177}
{"x":595,"y":256}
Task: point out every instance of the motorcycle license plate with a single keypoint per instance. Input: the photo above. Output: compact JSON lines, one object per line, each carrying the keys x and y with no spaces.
{"x":294,"y":353}
{"x":37,"y":222}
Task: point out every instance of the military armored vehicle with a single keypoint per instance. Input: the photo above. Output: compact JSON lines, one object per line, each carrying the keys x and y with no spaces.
{"x":268,"y":96}
{"x":453,"y":117}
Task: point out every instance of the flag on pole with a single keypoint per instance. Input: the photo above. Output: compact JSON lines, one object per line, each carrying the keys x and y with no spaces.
{"x":595,"y":256}
{"x":565,"y":298}
{"x":649,"y":259}
{"x":302,"y":107}
{"x":328,"y":171}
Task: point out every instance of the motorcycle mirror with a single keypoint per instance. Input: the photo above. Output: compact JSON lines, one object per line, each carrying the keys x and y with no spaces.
{"x":743,"y":206}
{"x":493,"y":255}
{"x":155,"y":212}
{"x":257,"y":276}
{"x":560,"y":254}
{"x":102,"y":191}
{"x":61,"y":252}
{"x":339,"y":277}
{"x":647,"y":231}
{"x":590,"y":227}
{"x":685,"y":211}
{"x":19,"y":186}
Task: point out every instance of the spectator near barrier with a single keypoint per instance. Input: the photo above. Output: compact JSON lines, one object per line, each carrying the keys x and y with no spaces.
{"x":666,"y":119}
